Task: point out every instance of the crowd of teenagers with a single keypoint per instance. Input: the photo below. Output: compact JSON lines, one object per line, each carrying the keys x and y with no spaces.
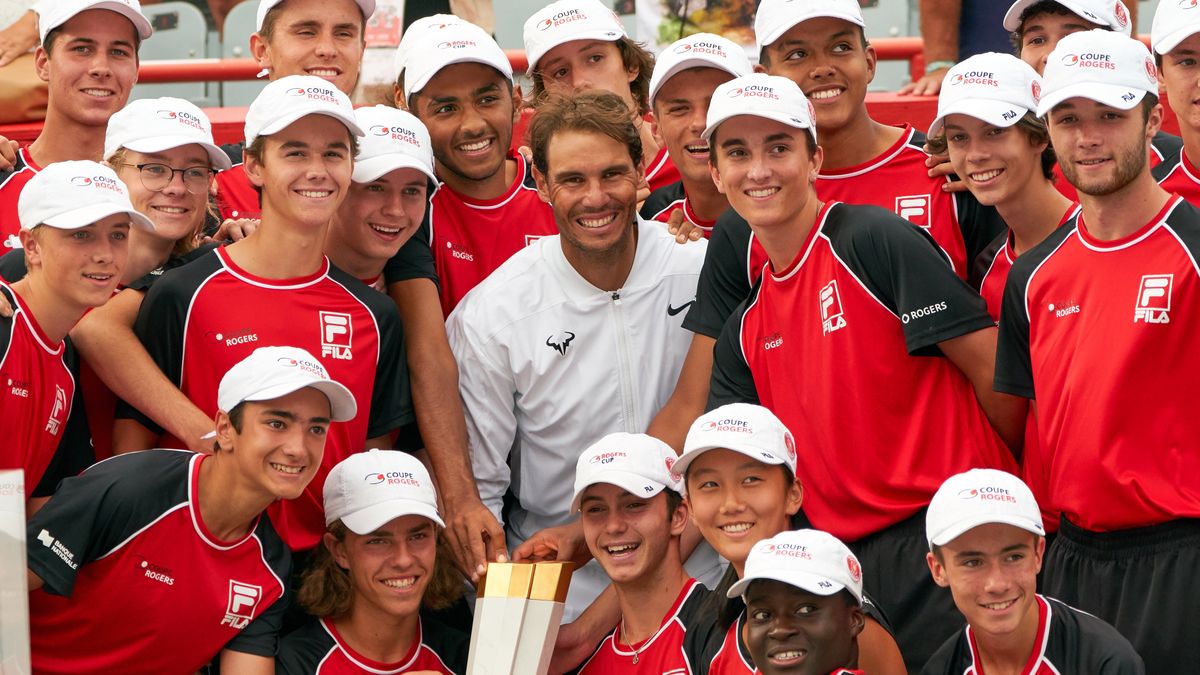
{"x":797,"y":391}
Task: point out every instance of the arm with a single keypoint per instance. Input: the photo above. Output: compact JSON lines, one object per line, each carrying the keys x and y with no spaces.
{"x":32,"y":580}
{"x":878,"y":653}
{"x":475,"y":535}
{"x":18,"y":39}
{"x":671,"y":423}
{"x":246,"y":664}
{"x":975,"y":355}
{"x":939,"y":28}
{"x":579,"y":638}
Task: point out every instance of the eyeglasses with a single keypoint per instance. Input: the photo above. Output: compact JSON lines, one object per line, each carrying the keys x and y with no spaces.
{"x":156,"y":177}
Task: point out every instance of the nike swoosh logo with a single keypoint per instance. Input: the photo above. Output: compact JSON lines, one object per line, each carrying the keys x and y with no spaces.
{"x":672,"y":311}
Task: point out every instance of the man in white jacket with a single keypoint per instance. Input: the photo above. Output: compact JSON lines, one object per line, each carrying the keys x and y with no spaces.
{"x":578,"y":335}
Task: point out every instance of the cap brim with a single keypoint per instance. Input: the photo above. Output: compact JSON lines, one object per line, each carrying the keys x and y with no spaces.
{"x":597,"y":34}
{"x":817,"y":585}
{"x":160,"y":143}
{"x":287,"y":120}
{"x":631,"y":483}
{"x":375,"y":516}
{"x":691,"y":62}
{"x":1171,"y":40}
{"x":342,"y":406}
{"x":1121,"y":98}
{"x":86,"y":215}
{"x":1012,"y":18}
{"x":795,"y":122}
{"x":419,"y":83}
{"x":778,"y":31}
{"x":367,"y":170}
{"x":955,"y":531}
{"x":989,"y":110}
{"x":681,"y":465}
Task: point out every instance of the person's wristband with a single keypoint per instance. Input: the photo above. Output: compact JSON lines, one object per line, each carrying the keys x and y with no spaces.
{"x":934,"y":66}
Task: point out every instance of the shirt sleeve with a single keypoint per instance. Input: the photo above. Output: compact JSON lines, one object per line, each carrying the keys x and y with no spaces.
{"x":261,"y":636}
{"x":414,"y":260}
{"x":159,"y":326}
{"x":725,"y":279}
{"x":1014,"y":369}
{"x":74,"y":453}
{"x":732,"y":381}
{"x":391,"y":397}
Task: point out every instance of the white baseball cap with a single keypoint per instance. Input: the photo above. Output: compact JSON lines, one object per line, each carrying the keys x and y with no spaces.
{"x":74,"y":194}
{"x":768,"y":96}
{"x":1110,"y":13}
{"x":702,"y":50}
{"x":420,"y":28}
{"x":287,"y":99}
{"x":776,"y":17}
{"x":271,"y":372}
{"x":1100,"y":65}
{"x":367,"y":490}
{"x":54,"y":13}
{"x":638,"y":464}
{"x":566,"y":21}
{"x":996,"y":88}
{"x":394,"y":139}
{"x":157,"y":124}
{"x":749,"y":429}
{"x":811,"y":560}
{"x":452,"y":43}
{"x":366,"y":6}
{"x":1174,"y":22}
{"x":979,"y":497}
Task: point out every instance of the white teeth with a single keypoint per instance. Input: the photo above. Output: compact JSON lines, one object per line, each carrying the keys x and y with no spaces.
{"x":322,"y":72}
{"x":783,"y":656}
{"x":286,"y":469}
{"x":986,"y":175}
{"x":621,"y":549}
{"x":1091,"y":162}
{"x":407,"y":582}
{"x":384,"y":230}
{"x":737,"y":528}
{"x":596,"y":222}
{"x":99,"y":277}
{"x":317,"y":194}
{"x":98,"y":93}
{"x":697,"y":148}
{"x":824,"y":94}
{"x":1000,"y":605}
{"x":170,"y":209}
{"x":472,"y":147}
{"x":762,"y":192}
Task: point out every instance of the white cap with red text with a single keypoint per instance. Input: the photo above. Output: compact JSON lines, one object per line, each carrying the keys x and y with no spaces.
{"x":74,"y":194}
{"x":1111,"y":14}
{"x":157,"y":124}
{"x":810,"y":560}
{"x":366,"y":6}
{"x":1174,"y":22}
{"x":368,"y":490}
{"x":702,"y":50}
{"x":54,"y":13}
{"x":980,"y":497}
{"x":394,"y":139}
{"x":638,"y":464}
{"x":290,"y":98}
{"x":420,"y":28}
{"x":566,"y":21}
{"x":761,"y":95}
{"x":749,"y":429}
{"x":1100,"y":65}
{"x":776,"y":17}
{"x":996,"y":88}
{"x":452,"y":43}
{"x":271,"y":372}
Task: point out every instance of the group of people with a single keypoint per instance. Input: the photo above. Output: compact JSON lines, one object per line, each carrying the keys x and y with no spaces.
{"x":796,"y":390}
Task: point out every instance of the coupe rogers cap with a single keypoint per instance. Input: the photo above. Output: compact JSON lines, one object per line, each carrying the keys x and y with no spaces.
{"x":1174,"y":22}
{"x":1100,"y":65}
{"x":811,"y":560}
{"x":996,"y":88}
{"x":74,"y":194}
{"x":158,"y":124}
{"x":394,"y":139}
{"x":1109,"y":13}
{"x":749,"y":429}
{"x":768,"y":96}
{"x":271,"y":372}
{"x":776,"y":17}
{"x":702,"y":50}
{"x":636,"y":463}
{"x":565,"y":21}
{"x":453,"y":43}
{"x":367,"y":490}
{"x":287,"y":99}
{"x":366,"y":6}
{"x":979,"y":497}
{"x":54,"y":13}
{"x":419,"y":30}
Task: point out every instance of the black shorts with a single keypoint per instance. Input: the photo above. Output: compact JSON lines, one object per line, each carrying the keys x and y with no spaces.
{"x":1141,"y":580}
{"x":895,"y":573}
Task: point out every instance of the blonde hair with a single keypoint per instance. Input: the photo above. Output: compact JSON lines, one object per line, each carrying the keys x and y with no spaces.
{"x":190,"y":242}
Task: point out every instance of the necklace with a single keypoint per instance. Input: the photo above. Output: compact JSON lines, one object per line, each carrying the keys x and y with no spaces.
{"x":625,"y":634}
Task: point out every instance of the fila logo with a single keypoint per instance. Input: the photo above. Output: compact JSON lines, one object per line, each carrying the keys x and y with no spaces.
{"x":336,"y":332}
{"x":58,"y":412}
{"x":1154,"y":299}
{"x":831,"y":308}
{"x":914,"y":209}
{"x":243,"y":600}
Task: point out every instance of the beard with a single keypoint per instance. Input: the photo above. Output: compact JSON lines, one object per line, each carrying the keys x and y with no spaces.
{"x":1129,"y":165}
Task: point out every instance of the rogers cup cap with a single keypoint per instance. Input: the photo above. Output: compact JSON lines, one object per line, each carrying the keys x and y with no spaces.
{"x":366,"y":6}
{"x":1174,"y":22}
{"x":749,"y":429}
{"x":452,"y":43}
{"x":287,"y":99}
{"x":996,"y":88}
{"x":419,"y":29}
{"x":394,"y":139}
{"x":702,"y":50}
{"x":54,"y":13}
{"x":1111,"y":14}
{"x":565,"y":21}
{"x":367,"y":490}
{"x":271,"y":372}
{"x":979,"y":497}
{"x":811,"y":560}
{"x":157,"y":124}
{"x":638,"y":464}
{"x":776,"y":17}
{"x":768,"y":96}
{"x":74,"y":194}
{"x":1100,"y":65}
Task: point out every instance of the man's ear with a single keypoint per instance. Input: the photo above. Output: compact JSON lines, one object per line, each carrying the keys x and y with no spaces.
{"x":858,"y":621}
{"x":938,"y":570}
{"x":41,"y":62}
{"x":872,"y":62}
{"x":337,"y":550}
{"x":252,"y":167}
{"x":225,"y":431}
{"x":679,"y":519}
{"x":654,"y":131}
{"x":260,"y":51}
{"x":716,"y":174}
{"x":543,"y":184}
{"x":32,"y":247}
{"x":518,"y":103}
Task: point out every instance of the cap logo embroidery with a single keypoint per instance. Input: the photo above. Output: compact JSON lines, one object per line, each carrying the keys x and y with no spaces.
{"x":1035,"y":88}
{"x":790,"y":444}
{"x":313,"y":94}
{"x":562,"y":18}
{"x":374,"y":478}
{"x":456,"y":44}
{"x":789,"y":551}
{"x":854,"y":568}
{"x":1090,"y":60}
{"x":1188,"y":4}
{"x":988,"y":494}
{"x":709,"y":48}
{"x":730,"y":425}
{"x":183,"y":118}
{"x":1119,"y":11}
{"x":81,"y":181}
{"x":1151,"y":70}
{"x":976,"y":77}
{"x":397,"y":133}
{"x":755,"y":91}
{"x":608,"y":457}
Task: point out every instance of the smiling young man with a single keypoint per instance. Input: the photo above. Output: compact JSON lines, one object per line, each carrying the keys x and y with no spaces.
{"x":88,"y":55}
{"x":1124,"y":268}
{"x":986,"y":542}
{"x":179,"y":540}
